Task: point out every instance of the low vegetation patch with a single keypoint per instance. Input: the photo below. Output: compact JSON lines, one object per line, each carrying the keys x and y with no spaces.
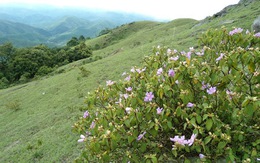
{"x":13,"y":105}
{"x":199,"y":105}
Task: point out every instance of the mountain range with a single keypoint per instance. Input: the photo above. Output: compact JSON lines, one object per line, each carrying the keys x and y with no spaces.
{"x":32,"y":25}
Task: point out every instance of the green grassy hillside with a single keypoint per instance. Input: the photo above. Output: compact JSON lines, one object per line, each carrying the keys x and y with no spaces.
{"x":36,"y":117}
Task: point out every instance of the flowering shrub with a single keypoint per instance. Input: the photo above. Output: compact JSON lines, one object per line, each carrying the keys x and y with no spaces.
{"x":208,"y":95}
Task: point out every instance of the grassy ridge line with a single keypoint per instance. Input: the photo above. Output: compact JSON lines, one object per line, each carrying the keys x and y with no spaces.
{"x":50,"y":106}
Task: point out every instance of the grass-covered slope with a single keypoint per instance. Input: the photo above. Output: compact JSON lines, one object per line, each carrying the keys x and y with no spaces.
{"x":40,"y":128}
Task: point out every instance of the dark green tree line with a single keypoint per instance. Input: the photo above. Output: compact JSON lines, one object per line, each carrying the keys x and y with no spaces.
{"x":21,"y":64}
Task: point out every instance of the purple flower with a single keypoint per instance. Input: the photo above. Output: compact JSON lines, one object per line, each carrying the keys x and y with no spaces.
{"x":86,"y":114}
{"x":109,"y":83}
{"x":159,"y":71}
{"x":199,"y":53}
{"x":159,"y":110}
{"x":129,"y":89}
{"x":192,"y":139}
{"x":201,"y":156}
{"x":204,"y":86}
{"x":235,"y":31}
{"x":92,"y":125}
{"x":82,"y":139}
{"x":125,"y":95}
{"x":148,"y":96}
{"x":220,"y":57}
{"x":188,"y":55}
{"x":174,"y":58}
{"x":182,"y":141}
{"x":257,"y":34}
{"x":141,"y":136}
{"x":140,"y":71}
{"x":230,"y":94}
{"x":169,"y":51}
{"x":171,"y":73}
{"x":128,"y":78}
{"x":211,"y":90}
{"x":190,"y":105}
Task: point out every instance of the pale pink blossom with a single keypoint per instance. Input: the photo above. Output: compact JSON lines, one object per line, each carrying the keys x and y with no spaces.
{"x":171,"y":73}
{"x":129,"y":89}
{"x":93,"y":124}
{"x":201,"y":156}
{"x":109,"y":82}
{"x":159,"y":71}
{"x":86,"y":114}
{"x":174,"y":58}
{"x":159,"y":110}
{"x":128,"y":78}
{"x":128,"y":110}
{"x":82,"y":138}
{"x":141,"y":136}
{"x":190,"y":105}
{"x":211,"y":90}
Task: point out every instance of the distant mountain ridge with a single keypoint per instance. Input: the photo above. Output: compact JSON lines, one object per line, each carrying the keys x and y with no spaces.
{"x":55,"y":26}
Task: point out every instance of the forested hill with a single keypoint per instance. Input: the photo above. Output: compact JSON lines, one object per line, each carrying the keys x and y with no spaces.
{"x":31,"y":25}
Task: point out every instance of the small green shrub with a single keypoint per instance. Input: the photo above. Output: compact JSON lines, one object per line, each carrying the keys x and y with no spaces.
{"x":3,"y":83}
{"x":200,"y":106}
{"x":14,"y":105}
{"x":44,"y":70}
{"x":84,"y":72}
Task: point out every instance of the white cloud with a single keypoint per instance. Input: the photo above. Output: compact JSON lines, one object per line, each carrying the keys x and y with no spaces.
{"x":167,"y":9}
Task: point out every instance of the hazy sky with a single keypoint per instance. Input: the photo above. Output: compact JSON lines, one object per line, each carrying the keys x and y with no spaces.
{"x":163,"y":9}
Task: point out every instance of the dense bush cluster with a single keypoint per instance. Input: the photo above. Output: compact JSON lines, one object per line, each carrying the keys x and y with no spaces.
{"x":196,"y":105}
{"x":21,"y":64}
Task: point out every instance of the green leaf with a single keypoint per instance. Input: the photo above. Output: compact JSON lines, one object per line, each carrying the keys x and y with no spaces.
{"x":127,"y":122}
{"x":143,"y":147}
{"x":198,"y":149}
{"x":205,"y":116}
{"x":154,"y":132}
{"x":209,"y":124}
{"x":207,"y":140}
{"x":254,"y":153}
{"x":178,"y":111}
{"x":130,"y":139}
{"x":169,"y":124}
{"x":199,"y":119}
{"x":240,"y":137}
{"x":221,"y":145}
{"x":245,"y":102}
{"x":154,"y":159}
{"x":249,"y":110}
{"x":187,"y":161}
{"x":193,"y":121}
{"x":251,"y":67}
